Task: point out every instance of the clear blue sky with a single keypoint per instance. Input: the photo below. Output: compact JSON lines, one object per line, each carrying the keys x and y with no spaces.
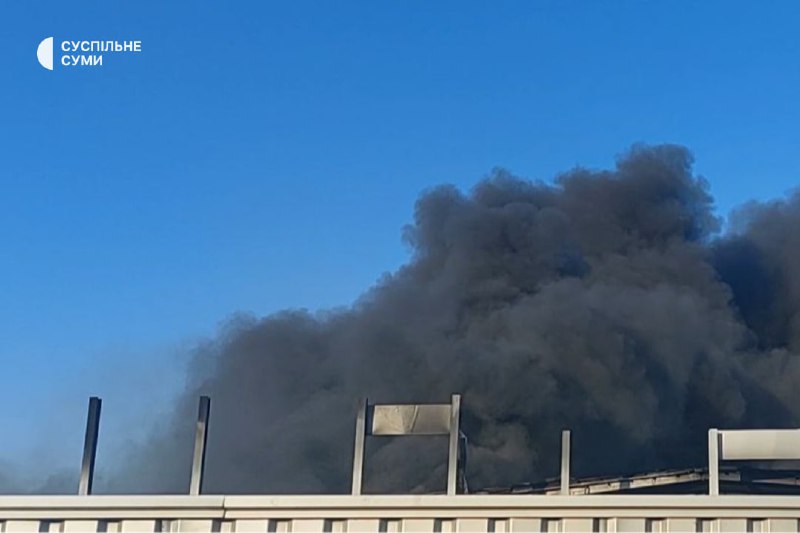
{"x":258,"y":155}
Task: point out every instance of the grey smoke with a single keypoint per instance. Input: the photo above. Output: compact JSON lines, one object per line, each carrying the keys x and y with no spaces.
{"x":607,"y":302}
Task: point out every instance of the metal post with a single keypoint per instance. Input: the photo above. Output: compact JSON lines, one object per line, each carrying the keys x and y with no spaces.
{"x":565,"y":460}
{"x":90,"y":446}
{"x":463,"y":486}
{"x":713,"y":462}
{"x":200,"y":437}
{"x":358,"y":449}
{"x":452,"y":458}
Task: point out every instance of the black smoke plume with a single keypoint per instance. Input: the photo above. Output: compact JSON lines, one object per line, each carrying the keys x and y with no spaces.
{"x":608,"y":302}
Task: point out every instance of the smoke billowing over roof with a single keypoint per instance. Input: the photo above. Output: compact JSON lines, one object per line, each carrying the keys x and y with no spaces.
{"x":607,"y":302}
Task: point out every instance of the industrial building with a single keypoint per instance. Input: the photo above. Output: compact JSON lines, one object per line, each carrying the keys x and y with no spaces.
{"x":719,"y":498}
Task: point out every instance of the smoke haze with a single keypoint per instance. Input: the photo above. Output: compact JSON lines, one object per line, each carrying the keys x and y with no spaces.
{"x":607,"y":302}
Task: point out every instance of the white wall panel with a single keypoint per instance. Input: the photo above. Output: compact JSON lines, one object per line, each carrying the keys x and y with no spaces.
{"x":577,"y":525}
{"x":417,"y":525}
{"x":195,"y":526}
{"x":782,"y":525}
{"x":363,"y":526}
{"x":82,"y":526}
{"x":471,"y":524}
{"x":733,"y":525}
{"x":22,"y":526}
{"x":316,"y":525}
{"x":251,"y":526}
{"x":135,"y":526}
{"x":526,"y":525}
{"x":630,"y":525}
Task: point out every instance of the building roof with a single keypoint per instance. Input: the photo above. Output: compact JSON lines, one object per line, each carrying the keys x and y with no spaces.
{"x":733,"y":480}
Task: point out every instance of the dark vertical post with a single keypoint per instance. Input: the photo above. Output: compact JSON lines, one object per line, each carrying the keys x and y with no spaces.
{"x":90,"y":446}
{"x":452,"y":458}
{"x":358,"y":448}
{"x":200,"y":437}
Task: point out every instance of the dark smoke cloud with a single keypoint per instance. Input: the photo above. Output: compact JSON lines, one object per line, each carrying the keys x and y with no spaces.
{"x":606,"y":302}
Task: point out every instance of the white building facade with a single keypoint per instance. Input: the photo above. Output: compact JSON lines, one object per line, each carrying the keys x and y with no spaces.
{"x":404,"y":513}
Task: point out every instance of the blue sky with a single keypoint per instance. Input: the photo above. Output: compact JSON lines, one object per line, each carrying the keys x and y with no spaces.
{"x":257,"y":156}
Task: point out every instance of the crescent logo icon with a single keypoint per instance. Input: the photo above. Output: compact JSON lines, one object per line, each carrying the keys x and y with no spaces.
{"x":44,"y":53}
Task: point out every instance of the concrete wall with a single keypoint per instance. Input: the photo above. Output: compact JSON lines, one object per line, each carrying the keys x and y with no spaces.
{"x":484,"y":513}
